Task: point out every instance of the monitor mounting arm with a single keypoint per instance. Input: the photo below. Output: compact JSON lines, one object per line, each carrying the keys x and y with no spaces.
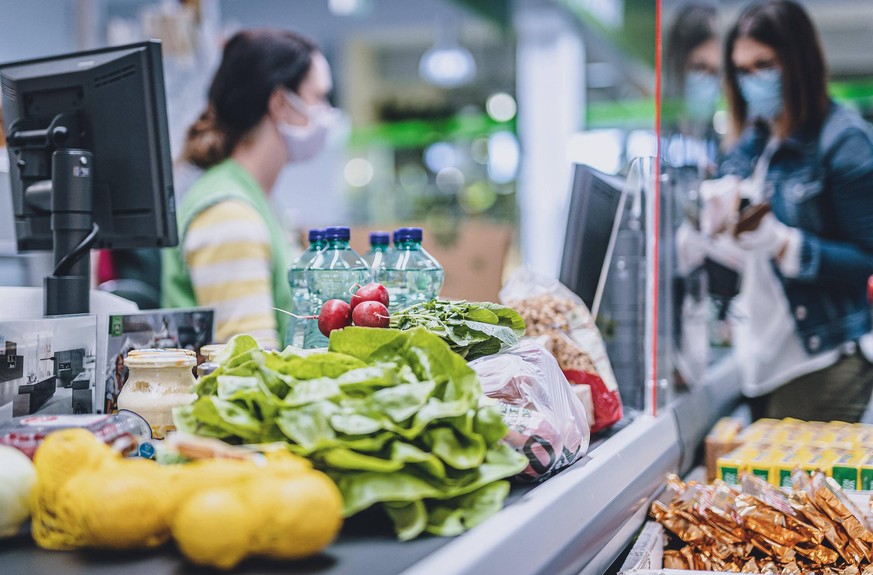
{"x":66,"y":191}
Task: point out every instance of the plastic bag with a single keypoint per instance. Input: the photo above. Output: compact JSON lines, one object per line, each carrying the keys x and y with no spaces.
{"x":562,"y":323}
{"x":125,"y":431}
{"x":547,"y":422}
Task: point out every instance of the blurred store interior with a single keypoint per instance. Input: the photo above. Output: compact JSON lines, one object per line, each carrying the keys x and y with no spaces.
{"x":463,"y":115}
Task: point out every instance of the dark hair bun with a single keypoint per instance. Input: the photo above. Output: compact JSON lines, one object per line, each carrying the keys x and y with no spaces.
{"x":206,"y":144}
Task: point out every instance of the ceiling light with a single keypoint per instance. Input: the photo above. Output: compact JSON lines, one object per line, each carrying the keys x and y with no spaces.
{"x":447,"y":64}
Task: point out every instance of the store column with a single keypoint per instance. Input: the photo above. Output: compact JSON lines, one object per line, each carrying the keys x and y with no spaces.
{"x":551,"y":103}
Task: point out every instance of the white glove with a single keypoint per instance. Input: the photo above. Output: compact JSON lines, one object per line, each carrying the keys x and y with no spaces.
{"x":690,"y":248}
{"x":774,"y":238}
{"x":723,"y":249}
{"x":721,"y":200}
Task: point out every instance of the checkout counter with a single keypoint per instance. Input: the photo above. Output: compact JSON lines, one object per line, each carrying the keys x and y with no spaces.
{"x":579,"y":521}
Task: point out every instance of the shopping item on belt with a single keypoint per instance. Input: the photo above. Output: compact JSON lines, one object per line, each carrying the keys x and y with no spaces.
{"x":561,"y":322}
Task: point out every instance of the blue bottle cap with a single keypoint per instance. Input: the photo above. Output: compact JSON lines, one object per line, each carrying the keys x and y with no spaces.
{"x":380,"y":238}
{"x":408,"y":235}
{"x":337,"y":233}
{"x":316,"y":235}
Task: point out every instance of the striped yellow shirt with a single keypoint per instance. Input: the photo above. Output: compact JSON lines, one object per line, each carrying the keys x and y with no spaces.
{"x":227,"y":251}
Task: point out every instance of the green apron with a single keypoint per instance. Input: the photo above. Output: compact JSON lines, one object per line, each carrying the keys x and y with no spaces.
{"x":223,"y":182}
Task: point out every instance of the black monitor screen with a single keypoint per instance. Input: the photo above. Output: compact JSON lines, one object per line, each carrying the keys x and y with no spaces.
{"x":114,"y":99}
{"x":594,"y":203}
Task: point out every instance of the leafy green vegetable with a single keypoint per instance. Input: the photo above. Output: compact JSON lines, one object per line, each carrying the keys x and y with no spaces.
{"x":472,"y":329}
{"x":455,"y":516}
{"x":410,"y":519}
{"x":394,"y":417}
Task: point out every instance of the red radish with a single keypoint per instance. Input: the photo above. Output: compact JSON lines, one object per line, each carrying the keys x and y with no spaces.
{"x":371,"y":314}
{"x":370,"y":292}
{"x":335,"y":314}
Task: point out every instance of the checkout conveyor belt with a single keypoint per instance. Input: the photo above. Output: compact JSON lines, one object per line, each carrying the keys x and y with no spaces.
{"x":579,"y":521}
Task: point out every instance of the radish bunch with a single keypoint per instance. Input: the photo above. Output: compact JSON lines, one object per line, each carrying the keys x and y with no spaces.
{"x":369,"y":308}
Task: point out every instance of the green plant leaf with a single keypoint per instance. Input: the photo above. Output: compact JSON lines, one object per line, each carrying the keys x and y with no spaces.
{"x":410,"y":519}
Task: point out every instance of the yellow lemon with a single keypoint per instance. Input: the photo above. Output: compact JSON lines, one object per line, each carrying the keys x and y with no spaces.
{"x":190,"y":478}
{"x":286,"y":463}
{"x":304,"y":514}
{"x":214,"y":527}
{"x":123,"y":506}
{"x":65,"y":452}
{"x":60,"y":457}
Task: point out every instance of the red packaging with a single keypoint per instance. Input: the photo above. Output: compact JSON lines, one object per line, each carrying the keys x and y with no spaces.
{"x":561,"y":322}
{"x":607,"y":402}
{"x":26,"y":434}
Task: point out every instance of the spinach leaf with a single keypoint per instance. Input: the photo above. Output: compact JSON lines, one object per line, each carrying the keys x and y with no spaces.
{"x":472,"y":329}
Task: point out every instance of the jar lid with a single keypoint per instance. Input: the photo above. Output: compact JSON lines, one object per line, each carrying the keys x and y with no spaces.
{"x":160,"y":358}
{"x":210,"y":351}
{"x":162,"y":350}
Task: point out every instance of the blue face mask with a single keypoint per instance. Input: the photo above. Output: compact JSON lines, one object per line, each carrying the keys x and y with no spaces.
{"x":702,"y":91}
{"x":762,"y":92}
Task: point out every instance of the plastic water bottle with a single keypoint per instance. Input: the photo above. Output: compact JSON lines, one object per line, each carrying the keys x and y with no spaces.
{"x":299,"y":292}
{"x":411,"y":275}
{"x":331,"y":275}
{"x":379,"y":254}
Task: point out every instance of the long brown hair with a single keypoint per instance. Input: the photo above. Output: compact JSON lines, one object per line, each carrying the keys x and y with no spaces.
{"x":696,"y":24}
{"x":254,"y":63}
{"x":784,"y":26}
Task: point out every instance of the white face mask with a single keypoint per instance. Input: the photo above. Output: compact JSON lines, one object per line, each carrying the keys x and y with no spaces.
{"x":305,"y":142}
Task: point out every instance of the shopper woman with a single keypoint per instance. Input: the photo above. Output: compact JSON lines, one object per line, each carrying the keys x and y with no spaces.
{"x":267,"y":106}
{"x":692,"y":87}
{"x":807,"y":163}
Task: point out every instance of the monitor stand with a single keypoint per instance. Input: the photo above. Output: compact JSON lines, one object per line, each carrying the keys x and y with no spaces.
{"x":73,"y":232}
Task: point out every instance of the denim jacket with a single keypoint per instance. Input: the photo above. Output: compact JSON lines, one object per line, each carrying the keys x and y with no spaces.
{"x":822,"y":184}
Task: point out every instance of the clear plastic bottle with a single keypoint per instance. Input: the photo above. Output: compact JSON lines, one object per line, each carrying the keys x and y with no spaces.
{"x":379,"y":254}
{"x":331,"y":275}
{"x":411,"y":275}
{"x":296,"y":328}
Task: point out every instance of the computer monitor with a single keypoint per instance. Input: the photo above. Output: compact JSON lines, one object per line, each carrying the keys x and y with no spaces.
{"x":604,"y":263}
{"x":596,"y":201}
{"x":89,"y":148}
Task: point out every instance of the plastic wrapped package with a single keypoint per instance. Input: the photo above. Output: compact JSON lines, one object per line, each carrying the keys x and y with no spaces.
{"x":125,"y":431}
{"x":560,"y":320}
{"x":546,"y":419}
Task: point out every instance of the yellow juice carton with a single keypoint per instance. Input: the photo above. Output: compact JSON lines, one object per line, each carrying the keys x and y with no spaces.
{"x":758,"y":430}
{"x":845,"y":470}
{"x":795,"y":436}
{"x":865,"y":472}
{"x":730,"y":466}
{"x":811,"y":461}
{"x":761,"y":464}
{"x":783,"y":464}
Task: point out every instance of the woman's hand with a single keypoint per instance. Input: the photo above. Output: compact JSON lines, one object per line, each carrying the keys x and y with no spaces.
{"x":776,"y":240}
{"x":721,"y":200}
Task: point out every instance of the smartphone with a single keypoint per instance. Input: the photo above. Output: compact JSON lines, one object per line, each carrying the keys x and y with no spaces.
{"x":750,"y":217}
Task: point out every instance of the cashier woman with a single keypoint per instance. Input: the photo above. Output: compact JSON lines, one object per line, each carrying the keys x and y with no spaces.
{"x":806,"y":165}
{"x":267,"y":106}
